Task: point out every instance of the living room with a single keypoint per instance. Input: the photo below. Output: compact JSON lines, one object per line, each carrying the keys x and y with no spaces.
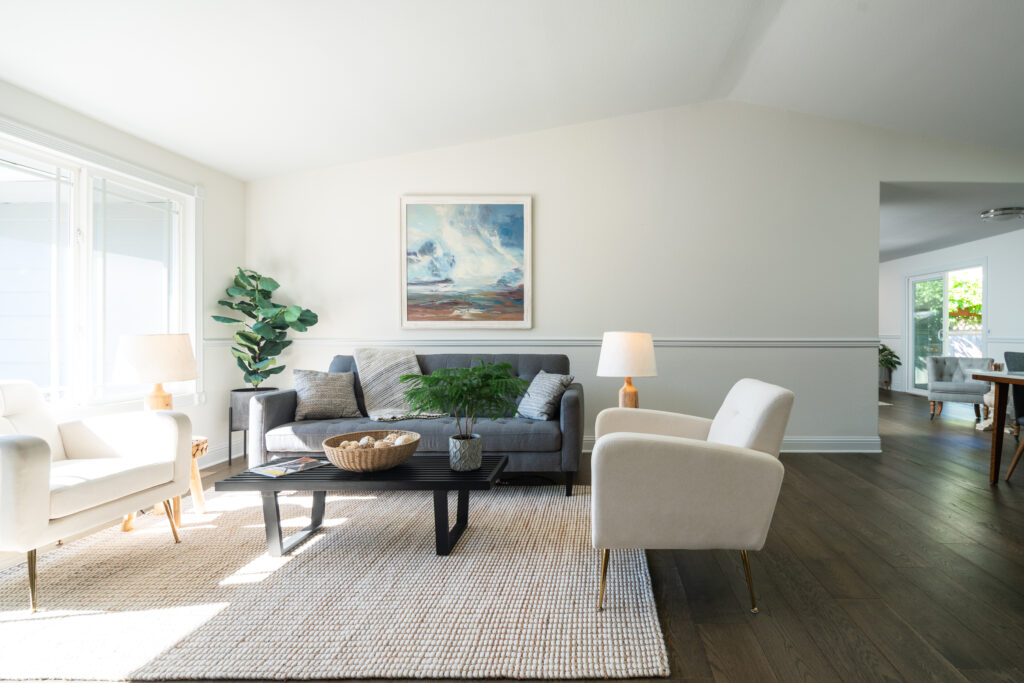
{"x":709,"y":175}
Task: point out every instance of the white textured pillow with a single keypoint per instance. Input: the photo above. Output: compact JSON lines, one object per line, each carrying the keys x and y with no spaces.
{"x":324,"y":395}
{"x":543,"y":396}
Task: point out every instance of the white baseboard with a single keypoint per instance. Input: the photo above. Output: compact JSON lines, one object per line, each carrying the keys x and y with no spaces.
{"x":809,"y":444}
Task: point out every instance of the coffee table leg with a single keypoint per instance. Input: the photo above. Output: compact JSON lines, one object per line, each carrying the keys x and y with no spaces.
{"x":277,"y":546}
{"x":445,"y":538}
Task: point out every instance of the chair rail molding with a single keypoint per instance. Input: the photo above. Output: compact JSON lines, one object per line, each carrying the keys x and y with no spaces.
{"x":664,"y":342}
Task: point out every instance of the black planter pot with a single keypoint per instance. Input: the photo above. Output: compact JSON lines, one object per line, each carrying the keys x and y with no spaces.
{"x":238,"y":414}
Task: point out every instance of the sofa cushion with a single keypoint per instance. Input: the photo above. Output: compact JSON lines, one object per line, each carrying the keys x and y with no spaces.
{"x":504,"y":434}
{"x":78,"y":484}
{"x":972,"y":387}
{"x":320,"y":395}
{"x":543,"y":395}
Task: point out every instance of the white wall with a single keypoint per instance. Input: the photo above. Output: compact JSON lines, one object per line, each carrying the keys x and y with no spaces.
{"x":744,"y":238}
{"x":1003,"y":313}
{"x":223,"y":233}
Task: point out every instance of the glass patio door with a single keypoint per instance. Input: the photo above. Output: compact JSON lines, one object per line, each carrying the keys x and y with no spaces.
{"x":928,"y":299}
{"x":946,"y":319}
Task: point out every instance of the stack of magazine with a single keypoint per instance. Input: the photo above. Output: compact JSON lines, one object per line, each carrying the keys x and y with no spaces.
{"x":280,"y":469}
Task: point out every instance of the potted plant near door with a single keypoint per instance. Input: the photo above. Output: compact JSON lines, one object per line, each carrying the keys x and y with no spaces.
{"x":262,"y":337}
{"x":887,"y":362}
{"x":483,"y":390}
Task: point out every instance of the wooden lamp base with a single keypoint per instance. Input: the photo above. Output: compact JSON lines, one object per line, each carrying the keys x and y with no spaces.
{"x":628,"y":395}
{"x":159,"y":399}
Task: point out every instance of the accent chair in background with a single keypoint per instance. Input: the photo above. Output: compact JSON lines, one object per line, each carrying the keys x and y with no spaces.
{"x":949,"y":379}
{"x":58,"y":480}
{"x":673,"y":481}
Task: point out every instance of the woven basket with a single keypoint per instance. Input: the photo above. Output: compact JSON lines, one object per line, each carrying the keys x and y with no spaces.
{"x":369,"y":459}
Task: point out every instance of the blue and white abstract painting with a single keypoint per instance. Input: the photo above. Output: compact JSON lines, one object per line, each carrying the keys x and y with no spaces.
{"x":467,"y":262}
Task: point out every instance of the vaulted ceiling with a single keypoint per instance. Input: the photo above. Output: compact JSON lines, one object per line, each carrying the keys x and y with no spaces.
{"x":264,"y":87}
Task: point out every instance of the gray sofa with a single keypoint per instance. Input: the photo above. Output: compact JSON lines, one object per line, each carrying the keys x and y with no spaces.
{"x":949,"y":379}
{"x":531,"y":445}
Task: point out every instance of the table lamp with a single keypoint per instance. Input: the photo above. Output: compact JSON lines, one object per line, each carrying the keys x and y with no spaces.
{"x":155,"y":359}
{"x":629,"y":355}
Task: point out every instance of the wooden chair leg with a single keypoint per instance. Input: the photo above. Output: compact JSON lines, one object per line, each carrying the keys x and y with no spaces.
{"x":1016,"y":459}
{"x":977,"y":413}
{"x":938,"y":407}
{"x":170,"y":518}
{"x":750,"y":582}
{"x":176,"y":506}
{"x":128,"y":523}
{"x":32,"y":580}
{"x":984,"y":412}
{"x":931,"y":408}
{"x":604,"y":577}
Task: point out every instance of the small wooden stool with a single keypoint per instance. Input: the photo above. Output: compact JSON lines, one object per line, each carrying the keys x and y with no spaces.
{"x":200,"y":445}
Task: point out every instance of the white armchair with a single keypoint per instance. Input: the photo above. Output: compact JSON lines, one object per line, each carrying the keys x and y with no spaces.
{"x":667,"y":480}
{"x":60,"y":480}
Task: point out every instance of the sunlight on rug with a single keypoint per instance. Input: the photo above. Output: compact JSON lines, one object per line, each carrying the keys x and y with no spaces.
{"x":366,"y":597}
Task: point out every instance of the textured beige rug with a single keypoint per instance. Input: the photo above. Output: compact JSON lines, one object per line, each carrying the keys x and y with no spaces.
{"x":365,"y":597}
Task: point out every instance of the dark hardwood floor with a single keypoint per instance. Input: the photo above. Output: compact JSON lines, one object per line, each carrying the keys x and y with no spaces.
{"x":901,"y":566}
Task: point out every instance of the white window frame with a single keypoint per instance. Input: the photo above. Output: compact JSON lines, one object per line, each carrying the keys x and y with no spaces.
{"x":85,"y":165}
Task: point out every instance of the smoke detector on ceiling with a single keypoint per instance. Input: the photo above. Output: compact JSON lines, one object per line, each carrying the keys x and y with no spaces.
{"x":1005,"y":213}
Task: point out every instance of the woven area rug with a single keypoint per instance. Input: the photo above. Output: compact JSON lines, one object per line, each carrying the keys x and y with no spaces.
{"x":366,"y":597}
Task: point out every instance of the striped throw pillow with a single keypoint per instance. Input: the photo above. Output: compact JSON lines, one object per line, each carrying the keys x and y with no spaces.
{"x":324,"y":395}
{"x":543,"y":396}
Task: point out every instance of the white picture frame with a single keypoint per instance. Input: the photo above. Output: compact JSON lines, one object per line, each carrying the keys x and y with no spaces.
{"x":466,"y":262}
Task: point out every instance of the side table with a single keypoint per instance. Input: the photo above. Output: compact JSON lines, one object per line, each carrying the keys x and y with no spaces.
{"x":200,"y":446}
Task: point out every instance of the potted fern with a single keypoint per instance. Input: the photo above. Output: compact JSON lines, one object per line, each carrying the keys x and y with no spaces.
{"x":467,"y":394}
{"x":261,"y":337}
{"x":887,"y":362}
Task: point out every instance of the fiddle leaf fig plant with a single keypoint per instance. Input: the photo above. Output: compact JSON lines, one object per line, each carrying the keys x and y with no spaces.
{"x":264,"y":324}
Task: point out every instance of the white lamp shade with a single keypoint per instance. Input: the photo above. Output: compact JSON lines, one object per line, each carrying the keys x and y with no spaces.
{"x":626,"y":354}
{"x":155,"y":358}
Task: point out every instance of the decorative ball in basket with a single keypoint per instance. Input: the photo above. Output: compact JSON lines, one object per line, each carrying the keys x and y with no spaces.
{"x":371,"y":451}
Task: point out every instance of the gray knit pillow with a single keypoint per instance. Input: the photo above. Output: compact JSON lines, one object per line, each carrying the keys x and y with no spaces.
{"x":543,"y":396}
{"x":324,"y":395}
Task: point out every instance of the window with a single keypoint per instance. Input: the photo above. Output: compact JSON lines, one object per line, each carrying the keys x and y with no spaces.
{"x":86,"y":255}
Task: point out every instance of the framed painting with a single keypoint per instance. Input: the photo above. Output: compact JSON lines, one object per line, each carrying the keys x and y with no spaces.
{"x":466,"y":262}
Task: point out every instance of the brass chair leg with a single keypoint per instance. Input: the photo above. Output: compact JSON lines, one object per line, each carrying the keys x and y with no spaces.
{"x":170,"y":518}
{"x":32,"y":579}
{"x":604,"y":576}
{"x":750,"y":582}
{"x":1016,"y":459}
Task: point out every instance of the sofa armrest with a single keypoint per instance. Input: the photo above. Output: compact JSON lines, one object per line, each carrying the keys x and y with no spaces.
{"x":570,"y":417}
{"x":149,"y":435}
{"x":267,"y":410}
{"x":654,"y":491}
{"x":645,"y":421}
{"x":24,"y":491}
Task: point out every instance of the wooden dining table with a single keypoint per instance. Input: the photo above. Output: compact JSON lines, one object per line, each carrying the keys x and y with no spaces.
{"x":1002,"y":382}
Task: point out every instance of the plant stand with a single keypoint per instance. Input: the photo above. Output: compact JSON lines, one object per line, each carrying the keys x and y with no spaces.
{"x":238,"y":416}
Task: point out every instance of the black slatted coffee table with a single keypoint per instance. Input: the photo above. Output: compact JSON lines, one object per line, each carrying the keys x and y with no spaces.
{"x":420,"y":473}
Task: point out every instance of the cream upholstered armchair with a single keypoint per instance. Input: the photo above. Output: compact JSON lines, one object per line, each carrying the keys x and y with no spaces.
{"x":60,"y":480}
{"x":673,"y":481}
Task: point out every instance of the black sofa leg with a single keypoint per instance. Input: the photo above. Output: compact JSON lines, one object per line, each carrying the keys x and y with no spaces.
{"x":569,"y":477}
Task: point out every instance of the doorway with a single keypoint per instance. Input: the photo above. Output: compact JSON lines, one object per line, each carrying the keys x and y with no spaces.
{"x":946,"y":318}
